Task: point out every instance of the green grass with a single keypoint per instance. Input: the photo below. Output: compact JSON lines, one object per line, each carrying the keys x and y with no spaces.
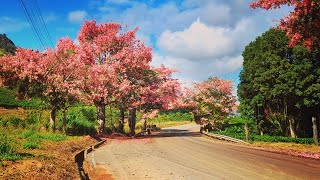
{"x":266,"y":138}
{"x":7,"y":148}
{"x":31,"y":144}
{"x":31,"y":134}
{"x":14,"y":141}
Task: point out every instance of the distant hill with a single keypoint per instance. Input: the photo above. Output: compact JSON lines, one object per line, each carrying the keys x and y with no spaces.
{"x":6,"y":45}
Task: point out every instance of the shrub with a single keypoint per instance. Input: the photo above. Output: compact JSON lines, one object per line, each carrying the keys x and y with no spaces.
{"x":81,"y":121}
{"x":79,"y":127}
{"x":32,"y":103}
{"x":266,"y":138}
{"x":238,"y":128}
{"x":8,"y":98}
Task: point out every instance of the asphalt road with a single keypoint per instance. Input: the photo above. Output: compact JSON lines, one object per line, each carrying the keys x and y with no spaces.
{"x":182,"y":153}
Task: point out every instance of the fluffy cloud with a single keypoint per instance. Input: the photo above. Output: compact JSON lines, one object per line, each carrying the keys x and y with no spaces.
{"x":8,"y":24}
{"x":201,"y":42}
{"x":198,"y":49}
{"x":77,"y":16}
{"x":198,"y":42}
{"x":153,"y":18}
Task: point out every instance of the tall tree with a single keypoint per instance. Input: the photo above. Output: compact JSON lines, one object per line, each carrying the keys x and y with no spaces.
{"x":50,"y":75}
{"x":124,"y":60}
{"x":275,"y":82}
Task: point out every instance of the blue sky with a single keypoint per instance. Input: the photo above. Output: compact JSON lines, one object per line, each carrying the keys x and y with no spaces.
{"x":200,"y":38}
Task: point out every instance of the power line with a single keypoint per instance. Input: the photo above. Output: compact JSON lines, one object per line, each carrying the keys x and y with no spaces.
{"x":35,"y":2}
{"x":34,"y":16}
{"x":31,"y":22}
{"x":36,"y":22}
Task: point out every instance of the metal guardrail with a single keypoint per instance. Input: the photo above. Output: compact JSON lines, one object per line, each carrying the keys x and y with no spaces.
{"x":81,"y":156}
{"x":222,"y":137}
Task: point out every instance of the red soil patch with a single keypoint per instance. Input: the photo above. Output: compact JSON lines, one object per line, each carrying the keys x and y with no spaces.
{"x":97,"y":173}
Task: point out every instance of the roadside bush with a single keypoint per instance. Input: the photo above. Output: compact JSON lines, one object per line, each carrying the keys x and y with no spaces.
{"x":265,"y":138}
{"x":79,"y":127}
{"x":32,"y":103}
{"x":81,"y":121}
{"x":8,"y":98}
{"x":235,"y":128}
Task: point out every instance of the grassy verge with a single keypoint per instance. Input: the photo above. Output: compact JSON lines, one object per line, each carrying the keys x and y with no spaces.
{"x":302,"y":147}
{"x":266,"y":138}
{"x":302,"y":150}
{"x":28,"y":154}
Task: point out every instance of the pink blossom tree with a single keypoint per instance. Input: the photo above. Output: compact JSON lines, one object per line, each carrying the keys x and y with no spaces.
{"x":123,"y":60}
{"x":53,"y":73}
{"x":301,"y":24}
{"x":208,"y":100}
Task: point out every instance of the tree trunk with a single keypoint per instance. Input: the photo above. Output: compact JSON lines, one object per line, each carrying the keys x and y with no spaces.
{"x":132,"y":121}
{"x":64,"y":120}
{"x":101,"y":116}
{"x":121,"y":121}
{"x":53,"y":114}
{"x":315,"y":131}
{"x":292,"y":129}
{"x":145,"y":124}
{"x":246,"y":129}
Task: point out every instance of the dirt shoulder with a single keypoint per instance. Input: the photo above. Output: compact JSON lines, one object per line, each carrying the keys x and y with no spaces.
{"x":53,"y":160}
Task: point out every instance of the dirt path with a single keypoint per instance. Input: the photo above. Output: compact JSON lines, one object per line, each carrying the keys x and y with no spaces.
{"x":181,"y":153}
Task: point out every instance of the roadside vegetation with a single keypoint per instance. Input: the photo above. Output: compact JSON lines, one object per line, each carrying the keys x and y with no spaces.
{"x":105,"y":83}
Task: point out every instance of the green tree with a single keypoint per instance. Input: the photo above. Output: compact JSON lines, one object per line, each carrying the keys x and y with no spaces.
{"x":279,"y":85}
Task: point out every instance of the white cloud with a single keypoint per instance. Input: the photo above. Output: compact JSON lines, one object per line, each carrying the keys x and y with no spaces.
{"x":8,"y":24}
{"x":210,"y":47}
{"x":201,"y":42}
{"x":154,"y":19}
{"x":198,"y":42}
{"x":77,"y":16}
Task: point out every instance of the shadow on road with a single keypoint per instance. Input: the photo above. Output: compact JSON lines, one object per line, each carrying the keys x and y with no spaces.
{"x":174,"y":133}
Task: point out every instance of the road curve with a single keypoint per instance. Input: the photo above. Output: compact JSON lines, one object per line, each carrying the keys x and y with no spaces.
{"x":182,"y":153}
